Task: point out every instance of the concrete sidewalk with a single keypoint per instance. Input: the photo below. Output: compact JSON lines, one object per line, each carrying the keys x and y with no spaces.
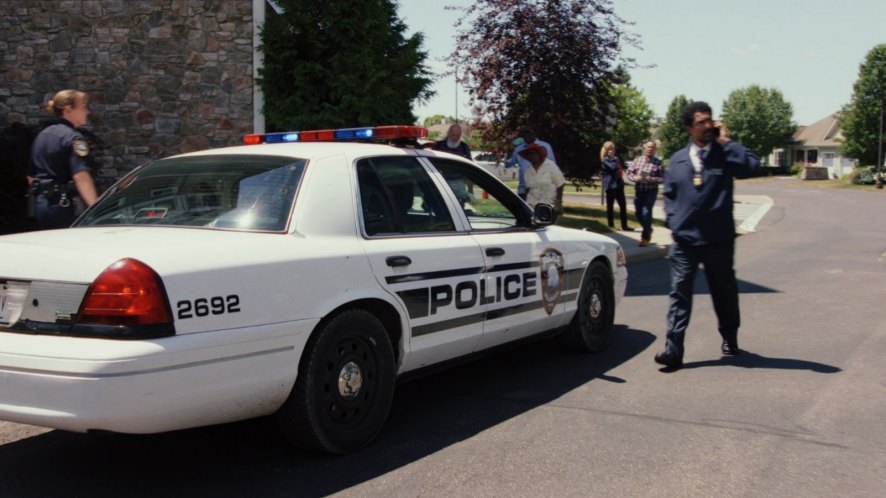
{"x":748,"y":210}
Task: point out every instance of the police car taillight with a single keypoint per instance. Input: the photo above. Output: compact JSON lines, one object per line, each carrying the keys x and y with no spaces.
{"x":380,"y":133}
{"x":127,"y":293}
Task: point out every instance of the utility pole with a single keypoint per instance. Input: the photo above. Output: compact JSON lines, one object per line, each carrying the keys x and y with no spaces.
{"x":878,"y":183}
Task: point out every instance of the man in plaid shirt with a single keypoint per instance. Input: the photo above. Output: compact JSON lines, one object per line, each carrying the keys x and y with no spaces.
{"x":646,"y":172}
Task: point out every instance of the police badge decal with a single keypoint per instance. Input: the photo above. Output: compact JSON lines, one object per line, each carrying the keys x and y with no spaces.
{"x":551,"y":277}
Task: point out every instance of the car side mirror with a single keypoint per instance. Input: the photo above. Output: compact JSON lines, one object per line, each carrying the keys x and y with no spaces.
{"x":544,"y":214}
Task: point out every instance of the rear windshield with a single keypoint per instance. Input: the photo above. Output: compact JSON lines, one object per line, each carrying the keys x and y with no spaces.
{"x":239,"y":192}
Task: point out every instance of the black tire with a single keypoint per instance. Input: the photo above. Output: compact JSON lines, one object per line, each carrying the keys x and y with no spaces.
{"x":591,"y":327}
{"x":344,"y":388}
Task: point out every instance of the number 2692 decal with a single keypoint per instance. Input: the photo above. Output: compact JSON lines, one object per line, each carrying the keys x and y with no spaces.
{"x":201,"y":307}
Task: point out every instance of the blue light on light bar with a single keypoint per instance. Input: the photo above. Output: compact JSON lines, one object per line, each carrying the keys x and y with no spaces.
{"x":353,"y":133}
{"x":277,"y":138}
{"x":369,"y":133}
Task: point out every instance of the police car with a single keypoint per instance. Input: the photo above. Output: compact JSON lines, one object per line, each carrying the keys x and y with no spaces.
{"x":299,"y":276}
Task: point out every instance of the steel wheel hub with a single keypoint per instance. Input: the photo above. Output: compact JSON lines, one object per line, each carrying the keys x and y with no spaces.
{"x":350,"y":380}
{"x":596,"y":305}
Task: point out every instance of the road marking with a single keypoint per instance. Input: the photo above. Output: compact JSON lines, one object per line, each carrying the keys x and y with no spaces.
{"x":750,"y":223}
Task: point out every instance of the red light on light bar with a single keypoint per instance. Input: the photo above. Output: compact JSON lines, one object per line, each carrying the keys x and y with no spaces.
{"x":317,"y":136}
{"x":370,"y":134}
{"x":253,"y":139}
{"x":391,"y":132}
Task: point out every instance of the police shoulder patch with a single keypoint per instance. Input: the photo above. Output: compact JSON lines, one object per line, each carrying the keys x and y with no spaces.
{"x":81,"y":147}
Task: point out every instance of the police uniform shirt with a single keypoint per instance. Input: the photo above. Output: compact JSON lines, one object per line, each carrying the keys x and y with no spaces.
{"x":59,"y":152}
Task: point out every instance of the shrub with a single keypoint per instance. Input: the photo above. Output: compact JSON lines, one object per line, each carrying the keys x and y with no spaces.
{"x":796,"y":169}
{"x":865,"y":175}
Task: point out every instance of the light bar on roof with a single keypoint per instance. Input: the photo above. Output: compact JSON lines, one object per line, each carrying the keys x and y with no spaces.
{"x":369,"y":133}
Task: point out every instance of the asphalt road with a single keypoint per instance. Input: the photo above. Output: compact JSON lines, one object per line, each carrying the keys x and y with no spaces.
{"x":800,"y":413}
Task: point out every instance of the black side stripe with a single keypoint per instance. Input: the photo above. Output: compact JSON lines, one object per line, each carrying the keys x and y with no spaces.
{"x":573,"y":278}
{"x":513,"y":266}
{"x":447,"y":324}
{"x":416,"y":277}
{"x":491,"y":315}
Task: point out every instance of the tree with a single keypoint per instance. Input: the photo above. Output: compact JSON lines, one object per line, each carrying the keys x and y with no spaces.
{"x":860,"y":119}
{"x":438,"y":119}
{"x":548,"y":64}
{"x":337,"y":63}
{"x":672,"y":134}
{"x":633,"y":118}
{"x":759,"y":118}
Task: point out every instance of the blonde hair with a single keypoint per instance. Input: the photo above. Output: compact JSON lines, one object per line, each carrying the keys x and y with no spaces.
{"x":64,"y":99}
{"x":606,"y":147}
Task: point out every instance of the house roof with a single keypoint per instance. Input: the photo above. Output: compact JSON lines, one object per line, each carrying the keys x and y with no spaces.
{"x":822,"y":133}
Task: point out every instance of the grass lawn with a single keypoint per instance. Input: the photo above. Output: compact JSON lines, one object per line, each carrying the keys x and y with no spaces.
{"x":590,"y":215}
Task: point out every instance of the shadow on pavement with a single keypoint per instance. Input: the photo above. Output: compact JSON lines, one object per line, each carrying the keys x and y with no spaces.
{"x":656,"y":281}
{"x":249,"y":458}
{"x":753,"y":360}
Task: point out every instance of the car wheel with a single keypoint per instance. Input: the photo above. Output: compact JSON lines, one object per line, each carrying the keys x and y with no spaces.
{"x":591,"y":327}
{"x":344,"y":388}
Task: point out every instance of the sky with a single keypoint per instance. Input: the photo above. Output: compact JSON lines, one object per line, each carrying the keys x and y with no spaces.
{"x":809,"y":50}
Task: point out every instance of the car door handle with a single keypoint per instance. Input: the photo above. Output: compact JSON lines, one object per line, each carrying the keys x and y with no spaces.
{"x":393,"y":261}
{"x":495,"y":251}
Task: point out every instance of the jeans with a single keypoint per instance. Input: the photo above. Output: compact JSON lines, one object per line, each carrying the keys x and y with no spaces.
{"x":644,"y":200}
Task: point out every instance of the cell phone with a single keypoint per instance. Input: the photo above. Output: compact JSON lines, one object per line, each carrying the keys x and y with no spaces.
{"x":716,"y":130}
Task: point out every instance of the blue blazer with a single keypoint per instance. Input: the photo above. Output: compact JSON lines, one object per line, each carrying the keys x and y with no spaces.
{"x":702,"y":214}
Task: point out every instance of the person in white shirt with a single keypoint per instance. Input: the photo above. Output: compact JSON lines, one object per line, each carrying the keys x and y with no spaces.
{"x":544,"y":180}
{"x":524,"y":139}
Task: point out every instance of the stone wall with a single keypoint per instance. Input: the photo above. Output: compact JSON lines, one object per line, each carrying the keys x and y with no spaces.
{"x":164,"y":76}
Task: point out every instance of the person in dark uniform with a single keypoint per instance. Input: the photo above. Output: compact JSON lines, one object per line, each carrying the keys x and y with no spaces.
{"x":698,"y":188}
{"x":614,"y":185}
{"x":453,"y":143}
{"x":61,"y":164}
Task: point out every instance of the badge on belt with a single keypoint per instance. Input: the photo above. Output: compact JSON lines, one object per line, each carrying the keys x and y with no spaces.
{"x":696,"y":180}
{"x":81,"y":147}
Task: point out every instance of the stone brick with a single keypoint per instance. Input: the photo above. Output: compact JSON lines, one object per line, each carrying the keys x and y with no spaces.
{"x":164,"y":76}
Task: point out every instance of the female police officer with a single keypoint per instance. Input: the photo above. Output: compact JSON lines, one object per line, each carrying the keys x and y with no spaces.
{"x":61,"y":161}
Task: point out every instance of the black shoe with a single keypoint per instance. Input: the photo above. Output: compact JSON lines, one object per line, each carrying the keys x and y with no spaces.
{"x":669,"y":359}
{"x":627,"y":229}
{"x":730,"y":348}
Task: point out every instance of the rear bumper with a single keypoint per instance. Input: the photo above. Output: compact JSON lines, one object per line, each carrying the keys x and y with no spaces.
{"x":148,"y":386}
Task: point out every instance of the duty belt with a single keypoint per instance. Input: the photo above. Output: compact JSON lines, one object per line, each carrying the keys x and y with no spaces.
{"x":49,"y":189}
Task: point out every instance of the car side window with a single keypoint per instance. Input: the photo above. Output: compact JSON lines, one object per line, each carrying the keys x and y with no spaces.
{"x":397,"y":196}
{"x":487,"y":203}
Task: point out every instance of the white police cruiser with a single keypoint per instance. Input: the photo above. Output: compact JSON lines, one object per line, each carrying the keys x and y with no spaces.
{"x":298,"y":276}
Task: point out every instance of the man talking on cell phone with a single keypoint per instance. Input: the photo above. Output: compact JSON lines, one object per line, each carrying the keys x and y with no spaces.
{"x":698,"y":189}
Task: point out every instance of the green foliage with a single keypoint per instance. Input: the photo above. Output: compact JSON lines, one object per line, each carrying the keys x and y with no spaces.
{"x":549,"y":64}
{"x":672,"y":135}
{"x":860,"y":119}
{"x":437,"y":119}
{"x":796,"y":169}
{"x":633,"y":118}
{"x":866,"y":175}
{"x":759,"y":118}
{"x":338,"y":63}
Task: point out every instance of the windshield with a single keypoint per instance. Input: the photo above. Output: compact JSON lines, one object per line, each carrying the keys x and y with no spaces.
{"x":236,"y":192}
